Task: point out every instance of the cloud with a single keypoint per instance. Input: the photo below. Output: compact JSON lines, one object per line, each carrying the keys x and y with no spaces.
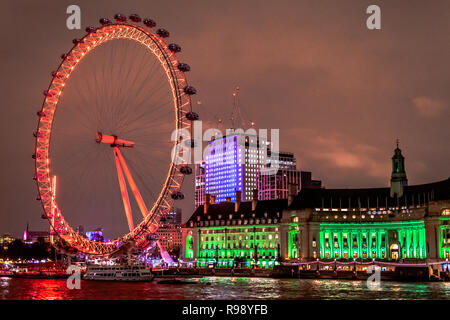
{"x":428,"y":107}
{"x":341,"y":156}
{"x":340,"y":153}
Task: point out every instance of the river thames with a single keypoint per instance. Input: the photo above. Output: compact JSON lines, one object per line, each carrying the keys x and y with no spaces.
{"x":223,"y":288}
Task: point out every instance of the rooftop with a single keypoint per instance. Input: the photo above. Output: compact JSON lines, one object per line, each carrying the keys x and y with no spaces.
{"x":418,"y":195}
{"x":265,"y":209}
{"x":371,"y":197}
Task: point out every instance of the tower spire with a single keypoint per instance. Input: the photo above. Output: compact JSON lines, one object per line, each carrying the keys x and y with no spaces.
{"x":398,"y":176}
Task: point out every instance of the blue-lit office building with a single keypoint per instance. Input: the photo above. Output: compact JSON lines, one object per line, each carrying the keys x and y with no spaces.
{"x":232,"y":164}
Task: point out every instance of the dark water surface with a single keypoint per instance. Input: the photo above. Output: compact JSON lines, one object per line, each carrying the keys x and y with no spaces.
{"x":211,"y":288}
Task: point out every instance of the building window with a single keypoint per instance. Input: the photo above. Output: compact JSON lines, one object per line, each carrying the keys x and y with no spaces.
{"x":345,"y":241}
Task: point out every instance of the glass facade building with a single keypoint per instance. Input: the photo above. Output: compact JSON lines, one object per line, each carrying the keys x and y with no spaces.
{"x":232,"y":163}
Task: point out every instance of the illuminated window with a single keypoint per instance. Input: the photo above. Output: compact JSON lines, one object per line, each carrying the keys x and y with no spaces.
{"x":336,"y":243}
{"x":446,"y":212}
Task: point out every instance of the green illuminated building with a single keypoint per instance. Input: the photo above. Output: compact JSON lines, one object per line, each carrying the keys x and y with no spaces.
{"x":232,"y":234}
{"x":391,"y":224}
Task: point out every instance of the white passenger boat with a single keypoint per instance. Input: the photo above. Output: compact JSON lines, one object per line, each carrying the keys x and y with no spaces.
{"x":118,"y":273}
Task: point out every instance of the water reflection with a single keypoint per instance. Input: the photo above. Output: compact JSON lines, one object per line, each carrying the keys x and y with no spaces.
{"x":210,"y":288}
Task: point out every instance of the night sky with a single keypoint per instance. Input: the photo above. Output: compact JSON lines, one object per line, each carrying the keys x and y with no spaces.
{"x":339,"y":93}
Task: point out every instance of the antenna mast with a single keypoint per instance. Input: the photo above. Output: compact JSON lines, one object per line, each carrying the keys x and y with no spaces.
{"x":236,"y":115}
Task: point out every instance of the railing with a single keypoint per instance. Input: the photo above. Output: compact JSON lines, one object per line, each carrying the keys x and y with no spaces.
{"x":360,"y":263}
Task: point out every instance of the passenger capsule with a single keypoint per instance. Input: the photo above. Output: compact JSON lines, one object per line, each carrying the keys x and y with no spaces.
{"x":163,"y":33}
{"x":34,"y":178}
{"x":77,"y":41}
{"x":38,"y":134}
{"x":44,"y":216}
{"x":149,"y":23}
{"x":120,"y":17}
{"x":184,"y":67}
{"x":38,"y":198}
{"x":64,"y":56}
{"x":177,"y":195}
{"x":41,"y":114}
{"x":186,"y":170}
{"x":56,"y":75}
{"x":174,"y":47}
{"x":48,"y":93}
{"x":105,"y":21}
{"x":135,"y":18}
{"x":91,"y":29}
{"x":190,"y":90}
{"x":192,"y":116}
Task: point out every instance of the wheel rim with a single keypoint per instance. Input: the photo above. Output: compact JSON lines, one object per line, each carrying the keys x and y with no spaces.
{"x":174,"y":178}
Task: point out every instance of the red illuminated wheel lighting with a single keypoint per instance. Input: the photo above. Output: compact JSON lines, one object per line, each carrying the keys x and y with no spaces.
{"x":95,"y":37}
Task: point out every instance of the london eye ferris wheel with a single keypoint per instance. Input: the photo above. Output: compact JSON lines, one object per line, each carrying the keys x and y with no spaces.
{"x":106,"y":127}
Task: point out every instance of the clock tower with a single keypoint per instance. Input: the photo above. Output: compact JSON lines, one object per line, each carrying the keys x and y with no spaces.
{"x":398,"y":177}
